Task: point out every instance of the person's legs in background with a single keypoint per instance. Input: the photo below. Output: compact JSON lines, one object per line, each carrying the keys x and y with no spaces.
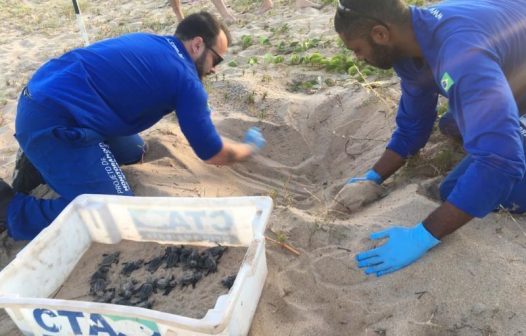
{"x":266,"y":5}
{"x":219,"y":4}
{"x":176,"y":7}
{"x":225,"y":13}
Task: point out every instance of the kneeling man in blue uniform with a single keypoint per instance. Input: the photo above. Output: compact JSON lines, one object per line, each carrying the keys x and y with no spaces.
{"x":473,"y":53}
{"x":80,"y":115}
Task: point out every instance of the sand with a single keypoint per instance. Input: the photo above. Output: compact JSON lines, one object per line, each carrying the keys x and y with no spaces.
{"x":318,"y":136}
{"x":182,"y":300}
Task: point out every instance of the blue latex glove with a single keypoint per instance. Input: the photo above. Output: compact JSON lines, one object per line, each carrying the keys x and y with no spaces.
{"x":403,"y":247}
{"x":254,"y":138}
{"x":370,"y":175}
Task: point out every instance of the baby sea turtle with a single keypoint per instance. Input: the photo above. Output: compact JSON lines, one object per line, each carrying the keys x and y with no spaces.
{"x":228,"y":281}
{"x":190,"y":278}
{"x":128,"y":288}
{"x":166,"y":284}
{"x":145,"y":304}
{"x":98,"y":281}
{"x":193,"y":259}
{"x":100,"y":273}
{"x":153,"y":265}
{"x":109,"y":259}
{"x":131,"y":266}
{"x":97,"y":286}
{"x":107,"y":296}
{"x":217,"y":251}
{"x":145,"y":291}
{"x":123,"y":301}
{"x":171,"y":256}
{"x":208,"y":263}
{"x":184,"y":253}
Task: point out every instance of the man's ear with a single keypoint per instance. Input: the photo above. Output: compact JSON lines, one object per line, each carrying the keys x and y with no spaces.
{"x":380,"y":35}
{"x":197,"y":45}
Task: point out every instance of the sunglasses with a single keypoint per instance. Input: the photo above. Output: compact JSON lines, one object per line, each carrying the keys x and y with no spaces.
{"x":217,"y":58}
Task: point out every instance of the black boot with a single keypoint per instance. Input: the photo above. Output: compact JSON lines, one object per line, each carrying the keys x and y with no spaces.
{"x":6,"y":195}
{"x":25,"y":177}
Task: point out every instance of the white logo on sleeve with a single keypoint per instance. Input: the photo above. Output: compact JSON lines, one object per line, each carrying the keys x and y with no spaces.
{"x":436,"y":13}
{"x":175,"y":47}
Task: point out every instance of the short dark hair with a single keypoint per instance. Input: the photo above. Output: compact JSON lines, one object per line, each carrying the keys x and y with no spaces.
{"x":201,"y":24}
{"x":356,"y":18}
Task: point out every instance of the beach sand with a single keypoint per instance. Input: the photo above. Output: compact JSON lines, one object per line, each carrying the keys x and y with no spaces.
{"x":322,"y":127}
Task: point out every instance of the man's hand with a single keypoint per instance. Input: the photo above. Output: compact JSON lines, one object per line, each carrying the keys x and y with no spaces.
{"x":254,"y":138}
{"x":354,"y":196}
{"x":370,"y":175}
{"x":403,"y":247}
{"x":233,"y":152}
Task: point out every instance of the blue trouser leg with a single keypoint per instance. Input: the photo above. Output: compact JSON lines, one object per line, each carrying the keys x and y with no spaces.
{"x":127,"y":149}
{"x":72,"y":160}
{"x":515,"y":203}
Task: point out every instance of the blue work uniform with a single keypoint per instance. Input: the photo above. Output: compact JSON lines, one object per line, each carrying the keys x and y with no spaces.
{"x":79,"y":116}
{"x":474,"y":53}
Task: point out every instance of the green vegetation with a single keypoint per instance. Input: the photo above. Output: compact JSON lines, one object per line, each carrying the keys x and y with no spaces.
{"x":415,"y":2}
{"x":251,"y":98}
{"x":310,"y":52}
{"x":284,"y":47}
{"x":442,"y":108}
{"x":434,"y":162}
{"x":264,"y":40}
{"x":246,"y":41}
{"x":305,"y":86}
{"x":233,"y":63}
{"x":281,"y":29}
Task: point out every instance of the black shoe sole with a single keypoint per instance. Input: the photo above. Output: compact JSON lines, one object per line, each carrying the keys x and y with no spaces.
{"x":26,"y":177}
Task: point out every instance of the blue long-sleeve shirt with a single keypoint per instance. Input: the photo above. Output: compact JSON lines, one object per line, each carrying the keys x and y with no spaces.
{"x":124,"y":85}
{"x":475,"y":55}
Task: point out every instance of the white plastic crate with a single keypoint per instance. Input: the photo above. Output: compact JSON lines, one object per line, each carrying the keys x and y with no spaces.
{"x":46,"y":262}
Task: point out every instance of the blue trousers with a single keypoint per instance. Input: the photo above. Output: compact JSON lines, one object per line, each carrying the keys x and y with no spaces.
{"x":72,"y":160}
{"x":516,"y":201}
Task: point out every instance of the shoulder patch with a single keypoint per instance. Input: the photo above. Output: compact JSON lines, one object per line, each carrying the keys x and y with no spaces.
{"x":446,"y":81}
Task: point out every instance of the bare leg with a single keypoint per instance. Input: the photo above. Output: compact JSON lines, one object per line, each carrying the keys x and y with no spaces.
{"x":266,"y":5}
{"x":176,"y":6}
{"x":307,"y":3}
{"x":221,"y":8}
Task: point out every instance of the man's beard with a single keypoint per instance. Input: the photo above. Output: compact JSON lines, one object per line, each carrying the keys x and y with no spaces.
{"x":383,"y":57}
{"x":200,"y":65}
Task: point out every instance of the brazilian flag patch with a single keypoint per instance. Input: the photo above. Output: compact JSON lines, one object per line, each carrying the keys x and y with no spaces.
{"x":446,"y":82}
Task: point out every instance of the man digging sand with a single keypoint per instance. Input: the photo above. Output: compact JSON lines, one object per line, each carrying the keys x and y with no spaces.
{"x":472,"y":52}
{"x":79,"y":117}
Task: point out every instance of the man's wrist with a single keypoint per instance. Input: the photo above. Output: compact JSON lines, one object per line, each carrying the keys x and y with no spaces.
{"x":373,"y":175}
{"x":425,"y":236}
{"x":445,"y":219}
